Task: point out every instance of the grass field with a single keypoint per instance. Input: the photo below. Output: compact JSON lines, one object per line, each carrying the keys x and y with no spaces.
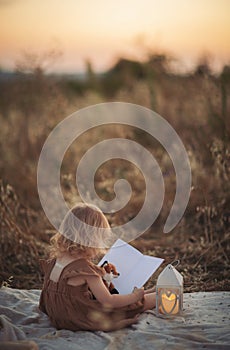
{"x":197,"y":105}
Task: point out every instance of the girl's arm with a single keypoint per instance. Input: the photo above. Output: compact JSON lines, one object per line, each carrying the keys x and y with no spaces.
{"x":102,"y":294}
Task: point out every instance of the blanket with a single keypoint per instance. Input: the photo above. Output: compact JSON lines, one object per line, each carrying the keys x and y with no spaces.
{"x":205,"y":324}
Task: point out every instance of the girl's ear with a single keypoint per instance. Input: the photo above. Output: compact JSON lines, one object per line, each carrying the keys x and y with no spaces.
{"x":104,"y":263}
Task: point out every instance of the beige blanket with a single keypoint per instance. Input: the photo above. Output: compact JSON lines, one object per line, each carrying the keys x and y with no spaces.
{"x":205,"y":325}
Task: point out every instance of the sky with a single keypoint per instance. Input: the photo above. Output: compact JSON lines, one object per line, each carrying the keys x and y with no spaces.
{"x":104,"y":30}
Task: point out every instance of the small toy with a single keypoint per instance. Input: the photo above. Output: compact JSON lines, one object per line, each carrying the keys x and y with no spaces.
{"x":111,"y":273}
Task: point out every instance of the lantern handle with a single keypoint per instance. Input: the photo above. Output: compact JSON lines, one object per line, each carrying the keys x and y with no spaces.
{"x":175,"y":263}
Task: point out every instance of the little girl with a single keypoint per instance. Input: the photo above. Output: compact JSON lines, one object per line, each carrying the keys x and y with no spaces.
{"x":73,"y":294}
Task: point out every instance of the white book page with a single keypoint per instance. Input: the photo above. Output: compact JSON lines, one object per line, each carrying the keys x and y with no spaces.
{"x":142,"y":271}
{"x":140,"y":274}
{"x":134,"y":267}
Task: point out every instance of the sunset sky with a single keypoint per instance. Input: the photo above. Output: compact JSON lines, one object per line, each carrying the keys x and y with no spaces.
{"x":103,"y":30}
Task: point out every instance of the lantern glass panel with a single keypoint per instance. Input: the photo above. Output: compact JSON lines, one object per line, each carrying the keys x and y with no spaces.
{"x":169,"y":300}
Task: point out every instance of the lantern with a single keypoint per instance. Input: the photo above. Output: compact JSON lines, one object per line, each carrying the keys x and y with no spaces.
{"x":169,"y":292}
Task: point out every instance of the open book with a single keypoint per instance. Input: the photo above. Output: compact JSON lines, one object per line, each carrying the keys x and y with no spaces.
{"x":134,"y":267}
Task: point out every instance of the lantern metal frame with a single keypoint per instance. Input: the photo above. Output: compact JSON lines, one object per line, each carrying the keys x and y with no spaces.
{"x":169,"y":282}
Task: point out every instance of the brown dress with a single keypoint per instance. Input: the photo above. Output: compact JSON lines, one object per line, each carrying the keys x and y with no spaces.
{"x":74,"y":307}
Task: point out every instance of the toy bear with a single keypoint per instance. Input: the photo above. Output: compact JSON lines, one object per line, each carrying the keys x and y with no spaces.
{"x":111,"y":273}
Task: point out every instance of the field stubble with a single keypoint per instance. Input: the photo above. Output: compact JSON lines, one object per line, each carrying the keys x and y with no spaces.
{"x":196,"y":107}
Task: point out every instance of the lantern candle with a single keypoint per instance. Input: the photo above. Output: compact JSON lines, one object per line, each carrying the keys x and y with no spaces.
{"x":169,"y":303}
{"x":169,"y":292}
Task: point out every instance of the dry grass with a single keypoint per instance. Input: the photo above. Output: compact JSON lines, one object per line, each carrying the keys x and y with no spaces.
{"x":196,"y":106}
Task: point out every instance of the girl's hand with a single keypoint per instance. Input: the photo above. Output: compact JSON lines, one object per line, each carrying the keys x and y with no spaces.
{"x":151,"y":290}
{"x":139,"y":292}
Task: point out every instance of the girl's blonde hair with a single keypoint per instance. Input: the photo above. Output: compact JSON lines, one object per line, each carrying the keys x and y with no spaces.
{"x":81,"y":232}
